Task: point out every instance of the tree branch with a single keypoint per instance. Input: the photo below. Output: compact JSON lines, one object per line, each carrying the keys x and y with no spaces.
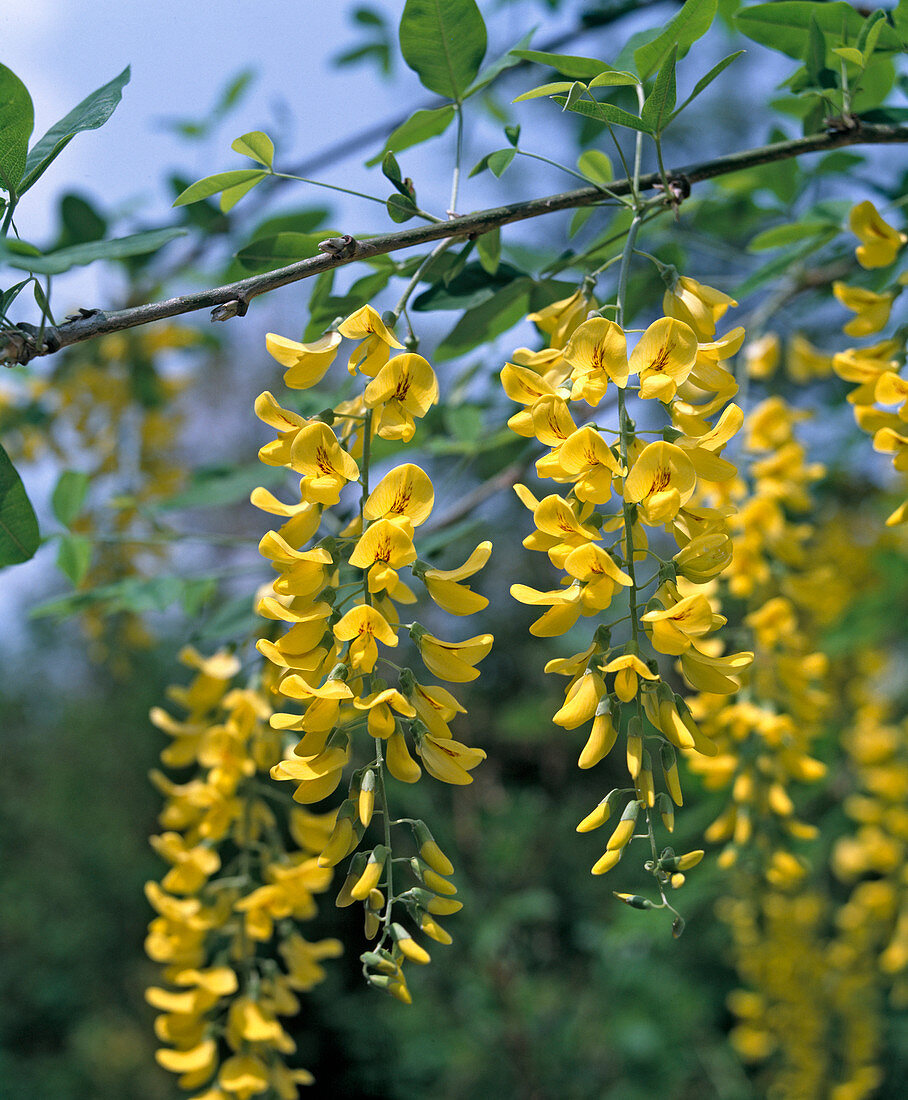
{"x":21,"y":343}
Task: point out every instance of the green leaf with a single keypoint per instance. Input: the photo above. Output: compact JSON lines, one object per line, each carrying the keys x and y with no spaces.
{"x":401,"y":208}
{"x":870,"y":33}
{"x":74,"y":557}
{"x":390,"y":169}
{"x":613,"y":79}
{"x":500,"y":160}
{"x":468,"y":289}
{"x":691,"y":23}
{"x":488,"y":248}
{"x":705,"y":81}
{"x":815,"y":53}
{"x":80,"y":220}
{"x":657,"y":110}
{"x":234,"y":91}
{"x":267,"y":253}
{"x":782,"y":264}
{"x":120,"y":248}
{"x":221,"y":181}
{"x":19,"y":538}
{"x":781,"y":235}
{"x":849,"y":53}
{"x":217,"y":486}
{"x":502,"y":64}
{"x":545,"y":89}
{"x":17,"y":120}
{"x":91,"y":113}
{"x":305,"y":220}
{"x":596,"y":166}
{"x":444,"y":42}
{"x":482,"y":324}
{"x":69,"y":495}
{"x":785,"y":26}
{"x":230,"y":196}
{"x":579,"y":219}
{"x":512,"y":133}
{"x":575,"y":68}
{"x":418,"y":128}
{"x":606,"y":112}
{"x":135,"y":594}
{"x":256,"y":145}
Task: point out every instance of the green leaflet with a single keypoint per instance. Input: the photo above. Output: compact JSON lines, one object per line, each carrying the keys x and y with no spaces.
{"x":19,"y":537}
{"x":17,"y":120}
{"x":444,"y":42}
{"x":91,"y":113}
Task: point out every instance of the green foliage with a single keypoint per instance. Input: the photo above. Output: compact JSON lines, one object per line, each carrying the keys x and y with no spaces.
{"x":69,"y":495}
{"x":17,"y":120}
{"x":444,"y":42}
{"x":19,"y":538}
{"x":90,"y":114}
{"x":691,"y":23}
{"x":26,"y":257}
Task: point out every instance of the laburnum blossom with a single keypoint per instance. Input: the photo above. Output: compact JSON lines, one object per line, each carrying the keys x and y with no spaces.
{"x":597,"y":354}
{"x":448,"y":760}
{"x":384,"y":547}
{"x":673,"y":628}
{"x":325,"y":466}
{"x":404,"y":388}
{"x":446,"y":588}
{"x":307,"y":364}
{"x":452,"y":661}
{"x":361,"y":626}
{"x":585,"y":458}
{"x":664,"y":357}
{"x":880,"y":243}
{"x":696,"y":305}
{"x":872,"y":309}
{"x":628,"y":668}
{"x":405,"y":491}
{"x":661,"y":481}
{"x":377,"y":340}
{"x":559,"y":319}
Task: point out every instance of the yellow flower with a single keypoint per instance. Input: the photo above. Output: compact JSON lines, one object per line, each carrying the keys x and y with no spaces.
{"x":324,"y":465}
{"x":526,"y":387}
{"x":452,"y":661}
{"x":307,"y":363}
{"x":696,"y":305}
{"x":384,"y":547}
{"x":285,"y":423}
{"x":303,"y":572}
{"x":381,"y":722}
{"x":671,"y":630}
{"x":243,"y":1076}
{"x":436,"y":706}
{"x":872,"y":309}
{"x":302,"y":519}
{"x":448,"y":760}
{"x":360,"y":627}
{"x":372,"y":354}
{"x":563,"y":608}
{"x":704,"y":557}
{"x":404,"y":388}
{"x":762,"y":356}
{"x":661,"y":481}
{"x":586,"y":459}
{"x":444,"y":587}
{"x":404,"y":491}
{"x":664,"y":357}
{"x":715,"y":675}
{"x":597,"y":352}
{"x":559,"y":319}
{"x":559,"y":528}
{"x":880,"y":243}
{"x":627,"y":668}
{"x":581,"y":701}
{"x":599,"y":574}
{"x":805,"y":362}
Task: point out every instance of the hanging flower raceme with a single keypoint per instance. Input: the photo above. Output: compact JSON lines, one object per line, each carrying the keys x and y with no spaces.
{"x":339,"y":588}
{"x":594,"y":531}
{"x":226,"y":933}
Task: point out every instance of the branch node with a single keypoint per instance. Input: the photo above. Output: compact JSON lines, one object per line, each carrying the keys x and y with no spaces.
{"x":236,"y":308}
{"x":21,"y":343}
{"x":341,"y":248}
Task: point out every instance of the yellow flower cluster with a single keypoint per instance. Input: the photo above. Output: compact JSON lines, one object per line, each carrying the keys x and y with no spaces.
{"x":765,"y":736}
{"x":337,"y":596}
{"x":595,"y":533}
{"x":875,"y":369}
{"x":220,"y":924}
{"x":809,"y":1012}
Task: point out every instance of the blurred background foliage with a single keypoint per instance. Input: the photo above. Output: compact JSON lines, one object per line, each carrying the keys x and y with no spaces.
{"x":551,"y":988}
